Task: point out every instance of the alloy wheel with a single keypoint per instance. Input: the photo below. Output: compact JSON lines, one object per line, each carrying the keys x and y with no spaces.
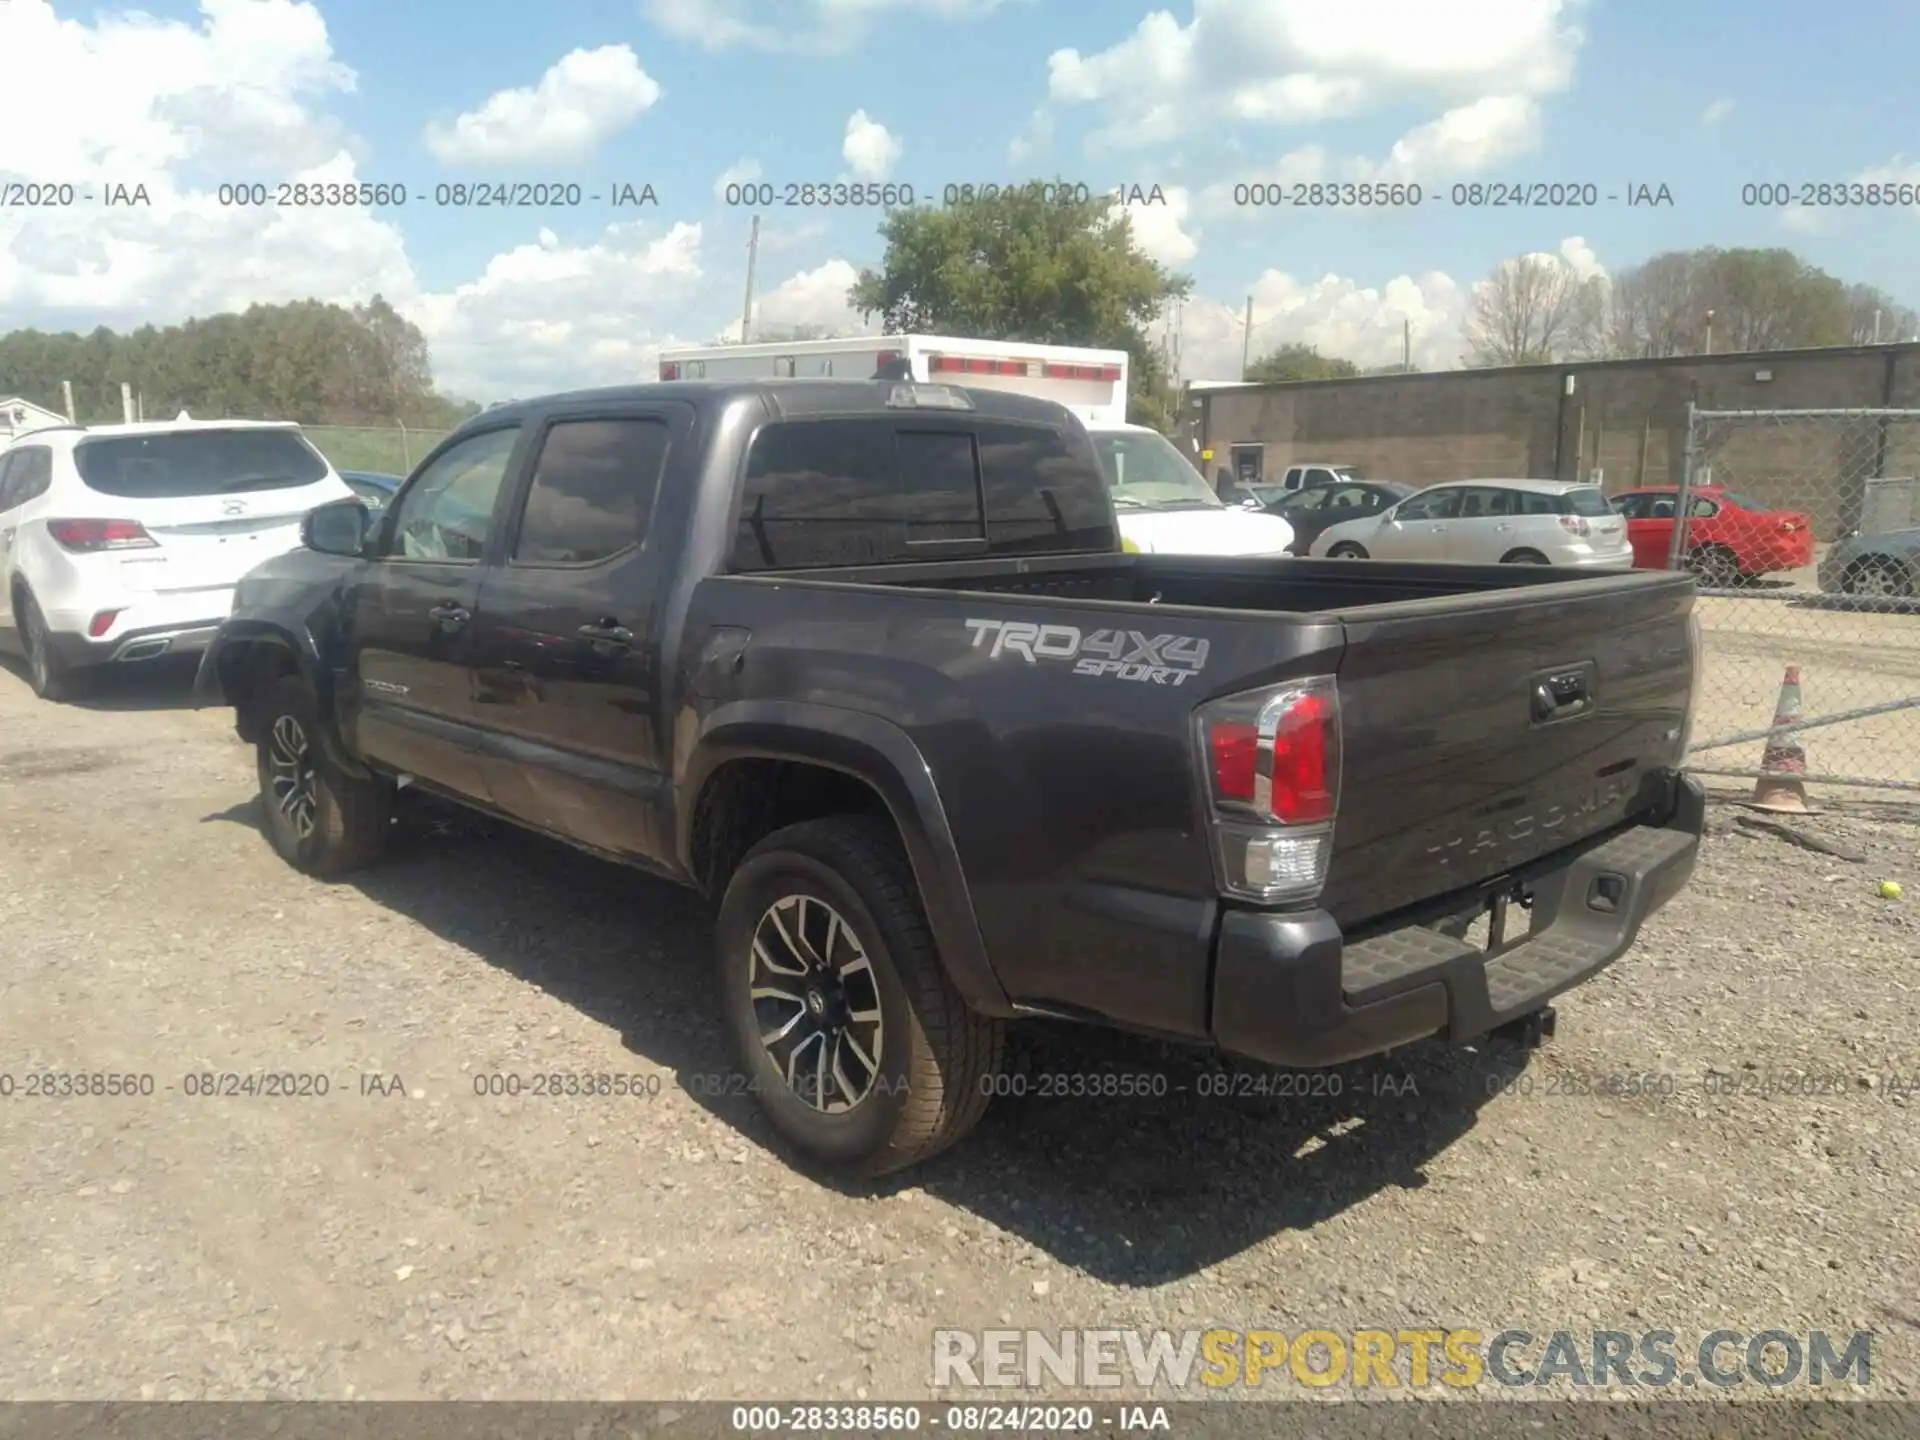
{"x":290,"y":774}
{"x":1875,"y":581}
{"x":816,"y":1003}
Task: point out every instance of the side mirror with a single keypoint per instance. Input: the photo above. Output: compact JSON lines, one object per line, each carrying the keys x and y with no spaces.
{"x":340,"y":527}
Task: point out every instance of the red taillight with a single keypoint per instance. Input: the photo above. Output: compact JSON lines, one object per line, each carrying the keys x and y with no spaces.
{"x":89,"y":535}
{"x":1273,"y":778}
{"x":1303,"y":770}
{"x":1235,"y":748}
{"x":1575,"y":525}
{"x":1277,"y":752}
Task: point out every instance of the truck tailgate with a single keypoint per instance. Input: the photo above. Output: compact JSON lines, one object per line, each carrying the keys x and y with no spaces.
{"x":1484,"y":731}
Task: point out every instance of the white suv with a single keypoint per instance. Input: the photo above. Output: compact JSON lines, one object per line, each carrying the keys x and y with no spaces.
{"x":123,"y":542}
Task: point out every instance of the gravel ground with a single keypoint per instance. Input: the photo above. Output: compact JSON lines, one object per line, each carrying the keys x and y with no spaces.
{"x":403,"y":1237}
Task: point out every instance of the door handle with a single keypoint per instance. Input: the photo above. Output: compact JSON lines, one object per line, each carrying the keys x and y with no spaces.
{"x":606,"y":633}
{"x":449,"y":616}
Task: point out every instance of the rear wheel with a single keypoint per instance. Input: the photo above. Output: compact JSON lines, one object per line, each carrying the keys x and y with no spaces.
{"x":1715,"y":567}
{"x":318,"y":818}
{"x":1347,"y":550}
{"x":1878,"y":578}
{"x":1523,"y":557}
{"x":50,"y":677}
{"x":860,"y":1052}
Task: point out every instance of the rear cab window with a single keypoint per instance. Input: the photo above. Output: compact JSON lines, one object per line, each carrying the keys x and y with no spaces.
{"x":178,"y":464}
{"x":879,"y":490}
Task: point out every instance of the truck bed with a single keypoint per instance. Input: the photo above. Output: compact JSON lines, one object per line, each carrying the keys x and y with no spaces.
{"x":1078,"y":792}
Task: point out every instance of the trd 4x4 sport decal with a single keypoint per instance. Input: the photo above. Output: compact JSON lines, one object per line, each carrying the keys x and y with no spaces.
{"x":1124,"y":654}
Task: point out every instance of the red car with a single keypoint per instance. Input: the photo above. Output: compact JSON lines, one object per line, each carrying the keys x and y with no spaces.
{"x":1729,"y":539}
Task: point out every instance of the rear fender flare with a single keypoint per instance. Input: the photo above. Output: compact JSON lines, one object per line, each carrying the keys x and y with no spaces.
{"x":229,"y":651}
{"x":882,"y":756}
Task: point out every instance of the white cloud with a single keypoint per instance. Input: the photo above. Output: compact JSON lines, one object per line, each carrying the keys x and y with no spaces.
{"x":816,"y":297}
{"x":868,"y":148}
{"x":586,"y":97}
{"x":1035,"y":140}
{"x":1823,"y":220}
{"x":1717,"y":111}
{"x":817,"y":26}
{"x":1302,"y":61}
{"x":1337,"y":315}
{"x":547,"y":316}
{"x":1158,"y":228}
{"x":744,"y":173}
{"x":134,"y":95}
{"x":1465,"y":140}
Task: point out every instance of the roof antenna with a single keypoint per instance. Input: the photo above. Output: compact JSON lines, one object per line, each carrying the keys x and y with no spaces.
{"x":898,"y":368}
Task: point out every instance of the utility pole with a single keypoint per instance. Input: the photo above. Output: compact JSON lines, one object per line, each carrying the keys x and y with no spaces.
{"x":753,"y":259}
{"x":66,"y":389}
{"x":1709,"y":346}
{"x":1876,"y":327}
{"x":1406,"y":342}
{"x":1246,"y":340}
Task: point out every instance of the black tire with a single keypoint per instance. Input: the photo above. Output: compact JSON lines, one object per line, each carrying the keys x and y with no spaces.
{"x":1715,"y":567}
{"x":51,"y":678}
{"x":934,"y":1059}
{"x":1347,"y":550}
{"x":342,"y":824}
{"x":1523,"y":557}
{"x":1878,"y":578}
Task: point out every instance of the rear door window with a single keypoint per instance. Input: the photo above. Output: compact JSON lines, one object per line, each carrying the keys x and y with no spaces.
{"x":179,"y":464}
{"x":29,"y":476}
{"x":1482,"y":503}
{"x":8,"y":490}
{"x":1538,"y":502}
{"x":592,"y":492}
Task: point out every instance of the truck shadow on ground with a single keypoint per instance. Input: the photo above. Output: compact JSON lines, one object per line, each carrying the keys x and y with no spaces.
{"x":1134,"y":1161}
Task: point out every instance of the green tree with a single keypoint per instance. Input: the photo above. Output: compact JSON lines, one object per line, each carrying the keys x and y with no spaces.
{"x":1027,"y":264}
{"x":308,"y":361}
{"x":1300,"y":362}
{"x":1758,"y":300}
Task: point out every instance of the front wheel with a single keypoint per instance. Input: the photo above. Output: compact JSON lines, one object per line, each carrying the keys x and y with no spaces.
{"x":1347,"y":550}
{"x":1877,"y":579}
{"x":862,"y":1055}
{"x":318,"y":818}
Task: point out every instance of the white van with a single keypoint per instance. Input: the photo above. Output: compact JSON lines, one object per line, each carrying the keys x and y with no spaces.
{"x":1164,"y":504}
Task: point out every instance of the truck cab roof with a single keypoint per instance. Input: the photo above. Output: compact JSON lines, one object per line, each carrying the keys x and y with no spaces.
{"x":794,"y":399}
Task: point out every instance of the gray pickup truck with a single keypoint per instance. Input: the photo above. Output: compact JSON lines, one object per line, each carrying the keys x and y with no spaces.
{"x":867,"y":663}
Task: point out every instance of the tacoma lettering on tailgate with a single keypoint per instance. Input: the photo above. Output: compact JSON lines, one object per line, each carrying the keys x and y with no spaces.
{"x":1123,"y":654}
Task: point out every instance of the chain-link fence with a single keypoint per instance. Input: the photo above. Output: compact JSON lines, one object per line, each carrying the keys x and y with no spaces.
{"x":363,"y":447}
{"x":1803,"y":528}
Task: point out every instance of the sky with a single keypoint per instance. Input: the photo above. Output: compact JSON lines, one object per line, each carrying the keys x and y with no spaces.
{"x":620,"y":125}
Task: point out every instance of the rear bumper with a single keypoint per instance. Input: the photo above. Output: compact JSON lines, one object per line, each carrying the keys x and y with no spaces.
{"x":130,"y":646}
{"x":1289,"y":989}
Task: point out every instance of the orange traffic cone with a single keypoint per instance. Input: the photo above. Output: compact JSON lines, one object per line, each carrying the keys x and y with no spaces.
{"x":1780,"y":788}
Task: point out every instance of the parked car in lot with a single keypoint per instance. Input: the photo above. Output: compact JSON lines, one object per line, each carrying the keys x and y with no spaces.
{"x":1312,"y":510}
{"x":865,"y":662}
{"x":373,"y":487}
{"x":121,"y":543}
{"x":1730,"y":538}
{"x":1884,"y":566}
{"x":1511,"y":522}
{"x":1166,"y":506}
